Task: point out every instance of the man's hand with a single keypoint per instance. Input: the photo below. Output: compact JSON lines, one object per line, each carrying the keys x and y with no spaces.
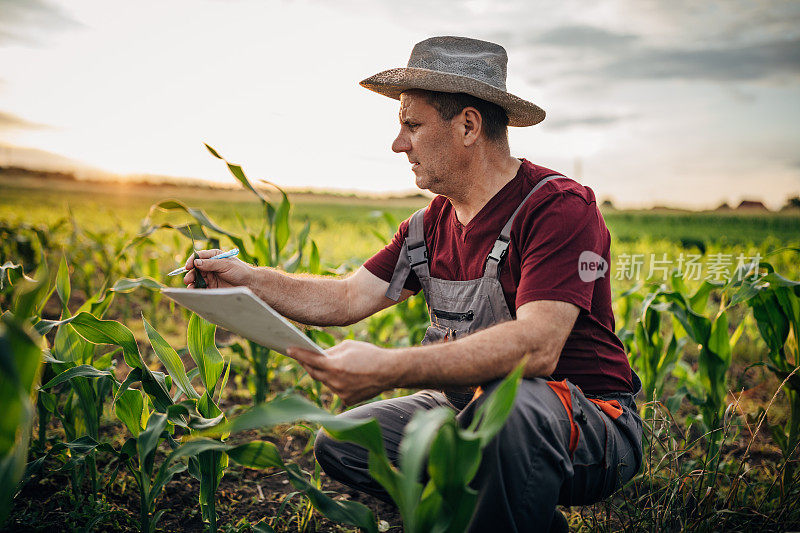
{"x":355,"y":371}
{"x":231,"y":272}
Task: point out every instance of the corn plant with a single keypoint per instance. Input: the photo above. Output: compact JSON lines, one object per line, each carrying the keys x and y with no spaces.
{"x":208,"y":467}
{"x":207,"y":458}
{"x":20,"y":363}
{"x":775,"y":302}
{"x":445,"y":502}
{"x":267,"y":245}
{"x":652,"y":356}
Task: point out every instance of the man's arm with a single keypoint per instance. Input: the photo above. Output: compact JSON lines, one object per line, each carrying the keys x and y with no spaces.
{"x":357,"y":371}
{"x":315,"y":300}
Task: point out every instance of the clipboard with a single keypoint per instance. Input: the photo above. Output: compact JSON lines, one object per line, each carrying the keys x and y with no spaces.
{"x":240,"y":311}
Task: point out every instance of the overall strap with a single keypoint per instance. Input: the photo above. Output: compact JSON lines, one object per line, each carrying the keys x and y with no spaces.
{"x":500,"y":248}
{"x":413,"y":255}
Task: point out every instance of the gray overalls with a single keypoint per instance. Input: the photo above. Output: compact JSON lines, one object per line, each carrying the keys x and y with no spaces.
{"x":558,"y":446}
{"x":457,"y":308}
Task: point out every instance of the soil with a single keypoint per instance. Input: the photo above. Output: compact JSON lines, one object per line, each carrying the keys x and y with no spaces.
{"x":244,"y":497}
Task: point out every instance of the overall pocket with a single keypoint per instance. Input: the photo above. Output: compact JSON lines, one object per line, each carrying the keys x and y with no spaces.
{"x":467,"y":316}
{"x":588,"y":447}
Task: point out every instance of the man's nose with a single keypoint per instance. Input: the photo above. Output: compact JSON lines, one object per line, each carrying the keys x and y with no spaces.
{"x":401,"y":143}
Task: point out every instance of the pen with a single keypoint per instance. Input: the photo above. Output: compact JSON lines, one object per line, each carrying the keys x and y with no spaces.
{"x":224,"y":255}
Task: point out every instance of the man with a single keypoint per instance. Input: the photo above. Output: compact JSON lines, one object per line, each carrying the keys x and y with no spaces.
{"x":497,"y":254}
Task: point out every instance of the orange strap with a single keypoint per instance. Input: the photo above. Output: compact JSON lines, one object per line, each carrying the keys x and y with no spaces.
{"x":610,"y":407}
{"x":562,"y":391}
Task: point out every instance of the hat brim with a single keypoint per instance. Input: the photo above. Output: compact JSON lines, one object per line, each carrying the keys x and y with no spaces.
{"x":393,"y":82}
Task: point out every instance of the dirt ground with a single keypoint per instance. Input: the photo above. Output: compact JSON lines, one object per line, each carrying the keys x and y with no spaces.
{"x":245,"y":496}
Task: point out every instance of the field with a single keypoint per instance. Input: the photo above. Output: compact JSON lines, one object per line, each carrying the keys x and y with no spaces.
{"x":710,"y":329}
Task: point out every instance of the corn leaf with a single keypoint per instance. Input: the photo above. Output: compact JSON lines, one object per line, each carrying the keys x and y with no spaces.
{"x":63,"y":285}
{"x":78,"y":371}
{"x":128,"y":408}
{"x":171,"y":360}
{"x":200,"y":339}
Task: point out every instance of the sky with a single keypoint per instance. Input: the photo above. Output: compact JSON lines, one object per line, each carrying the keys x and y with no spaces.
{"x":679,"y":103}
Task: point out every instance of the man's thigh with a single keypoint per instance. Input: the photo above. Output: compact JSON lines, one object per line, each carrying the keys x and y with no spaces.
{"x":605,"y":449}
{"x":590,"y":450}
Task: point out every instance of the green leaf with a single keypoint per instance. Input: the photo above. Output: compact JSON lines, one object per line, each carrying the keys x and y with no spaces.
{"x":148,"y":440}
{"x":238,"y":173}
{"x":257,"y":454}
{"x":293,"y":408}
{"x":32,"y":295}
{"x":454,"y":460}
{"x":260,"y":454}
{"x":224,"y":380}
{"x":207,"y":407}
{"x":128,"y":408}
{"x":699,"y":299}
{"x":99,"y":331}
{"x":313,"y":260}
{"x":71,"y":347}
{"x":263,"y":527}
{"x":414,"y":450}
{"x":20,"y":364}
{"x":213,"y":152}
{"x":200,"y":338}
{"x":171,"y":360}
{"x":62,"y":284}
{"x":344,"y":512}
{"x":162,"y":478}
{"x":281,"y":225}
{"x":492,"y":413}
{"x":6,"y":270}
{"x":126,"y":285}
{"x":78,"y":371}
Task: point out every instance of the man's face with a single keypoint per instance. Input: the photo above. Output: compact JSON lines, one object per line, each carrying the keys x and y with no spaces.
{"x":430,"y":143}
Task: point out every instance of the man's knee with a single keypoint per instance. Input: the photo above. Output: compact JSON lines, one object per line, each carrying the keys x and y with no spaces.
{"x":324,"y":445}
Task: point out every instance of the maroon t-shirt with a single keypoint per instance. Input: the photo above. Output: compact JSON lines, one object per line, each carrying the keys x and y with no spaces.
{"x":548,"y":236}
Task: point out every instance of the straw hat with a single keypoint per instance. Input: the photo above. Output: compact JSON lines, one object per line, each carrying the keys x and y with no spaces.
{"x":458,"y":65}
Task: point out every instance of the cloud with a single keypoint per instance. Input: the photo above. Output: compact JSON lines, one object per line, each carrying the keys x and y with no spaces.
{"x":735,"y":63}
{"x":588,"y":121}
{"x":579,"y":36}
{"x":13,"y":122}
{"x":27,"y":21}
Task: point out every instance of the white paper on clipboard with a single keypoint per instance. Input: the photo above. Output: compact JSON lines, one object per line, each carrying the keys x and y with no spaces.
{"x":240,"y":311}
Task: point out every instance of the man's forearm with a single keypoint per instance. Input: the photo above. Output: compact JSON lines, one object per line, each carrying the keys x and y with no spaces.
{"x":357,"y":371}
{"x":313,"y":300}
{"x":539,"y":332}
{"x":478,"y":358}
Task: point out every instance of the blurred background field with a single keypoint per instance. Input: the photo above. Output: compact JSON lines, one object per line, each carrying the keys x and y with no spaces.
{"x":340,"y":222}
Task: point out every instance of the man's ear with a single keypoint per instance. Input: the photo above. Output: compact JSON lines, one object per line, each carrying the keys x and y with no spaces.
{"x":472,"y":125}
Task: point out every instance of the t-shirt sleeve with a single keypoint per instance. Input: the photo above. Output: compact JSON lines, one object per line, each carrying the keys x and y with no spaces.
{"x":382,"y":264}
{"x":554,"y":234}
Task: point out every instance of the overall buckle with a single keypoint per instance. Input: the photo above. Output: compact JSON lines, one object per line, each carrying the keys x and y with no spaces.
{"x":417,"y":254}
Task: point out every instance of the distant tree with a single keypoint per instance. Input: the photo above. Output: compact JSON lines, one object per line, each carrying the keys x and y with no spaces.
{"x":607,"y":204}
{"x":792,"y":203}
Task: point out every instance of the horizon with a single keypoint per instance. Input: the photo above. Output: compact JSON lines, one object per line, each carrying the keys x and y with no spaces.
{"x":702,"y":100}
{"x":747,"y":204}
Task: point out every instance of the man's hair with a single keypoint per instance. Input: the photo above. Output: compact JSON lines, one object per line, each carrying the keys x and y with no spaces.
{"x":495,"y":118}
